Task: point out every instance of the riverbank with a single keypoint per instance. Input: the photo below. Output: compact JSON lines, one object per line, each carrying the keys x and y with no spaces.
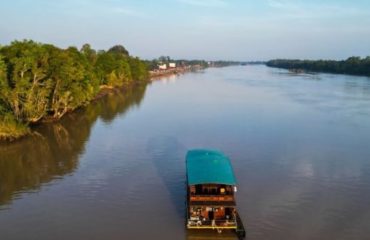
{"x":41,"y":82}
{"x":352,"y":66}
{"x":154,"y":75}
{"x":11,"y":130}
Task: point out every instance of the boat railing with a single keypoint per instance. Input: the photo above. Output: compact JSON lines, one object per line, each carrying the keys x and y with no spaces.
{"x":216,"y":198}
{"x":214,"y":223}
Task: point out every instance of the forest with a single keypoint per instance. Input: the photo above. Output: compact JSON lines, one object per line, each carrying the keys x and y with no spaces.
{"x":41,"y":81}
{"x":353,"y":65}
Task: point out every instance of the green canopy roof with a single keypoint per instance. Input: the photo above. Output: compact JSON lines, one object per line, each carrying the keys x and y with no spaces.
{"x":208,"y":167}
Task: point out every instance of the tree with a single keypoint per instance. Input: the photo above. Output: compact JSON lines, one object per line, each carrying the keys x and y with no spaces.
{"x":4,"y":88}
{"x":74,"y":85}
{"x":89,"y":53}
{"x":113,"y":69}
{"x":29,"y":84}
{"x":119,"y":49}
{"x":41,"y":80}
{"x":139,"y":70}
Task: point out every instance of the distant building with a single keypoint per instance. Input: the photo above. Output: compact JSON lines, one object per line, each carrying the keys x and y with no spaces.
{"x":162,"y":67}
{"x":172,"y":65}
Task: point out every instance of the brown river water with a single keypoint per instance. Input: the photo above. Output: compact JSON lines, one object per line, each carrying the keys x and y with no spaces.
{"x":299,"y":145}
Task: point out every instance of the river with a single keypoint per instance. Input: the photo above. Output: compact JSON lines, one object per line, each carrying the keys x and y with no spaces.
{"x":299,"y":145}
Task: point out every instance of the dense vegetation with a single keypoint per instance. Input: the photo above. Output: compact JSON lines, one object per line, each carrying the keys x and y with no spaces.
{"x":353,"y":65}
{"x":39,"y":81}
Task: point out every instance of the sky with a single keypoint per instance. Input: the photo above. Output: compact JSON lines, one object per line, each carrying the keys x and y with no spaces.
{"x":241,"y":30}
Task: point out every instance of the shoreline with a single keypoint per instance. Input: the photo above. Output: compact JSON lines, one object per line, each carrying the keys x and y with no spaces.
{"x":104,"y":90}
{"x":353,"y":66}
{"x":158,"y":74}
{"x":41,"y":82}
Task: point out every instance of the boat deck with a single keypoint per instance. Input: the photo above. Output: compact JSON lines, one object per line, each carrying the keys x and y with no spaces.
{"x":216,"y":224}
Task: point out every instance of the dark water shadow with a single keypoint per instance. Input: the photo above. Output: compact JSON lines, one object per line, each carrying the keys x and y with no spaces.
{"x":210,"y":235}
{"x":295,"y":73}
{"x":54,"y":150}
{"x":168,"y":156}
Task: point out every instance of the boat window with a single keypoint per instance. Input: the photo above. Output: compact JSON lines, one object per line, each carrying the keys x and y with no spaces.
{"x":198,"y":189}
{"x":210,"y":189}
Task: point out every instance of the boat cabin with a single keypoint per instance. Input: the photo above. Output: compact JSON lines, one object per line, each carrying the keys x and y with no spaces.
{"x":211,"y":188}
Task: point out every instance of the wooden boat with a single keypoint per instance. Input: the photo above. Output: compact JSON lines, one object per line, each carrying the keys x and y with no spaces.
{"x":211,"y":188}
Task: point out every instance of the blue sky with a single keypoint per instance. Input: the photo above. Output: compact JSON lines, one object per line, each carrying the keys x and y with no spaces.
{"x":207,"y":29}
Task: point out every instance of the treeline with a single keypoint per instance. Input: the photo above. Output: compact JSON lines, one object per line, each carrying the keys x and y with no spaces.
{"x":253,"y":63}
{"x":223,"y":63}
{"x":153,"y":64}
{"x":353,"y":65}
{"x":39,"y":81}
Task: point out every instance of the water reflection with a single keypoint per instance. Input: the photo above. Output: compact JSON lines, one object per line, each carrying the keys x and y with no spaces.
{"x":344,"y":95}
{"x":302,"y":166}
{"x":302,"y":75}
{"x":169,"y":79}
{"x":54,"y":150}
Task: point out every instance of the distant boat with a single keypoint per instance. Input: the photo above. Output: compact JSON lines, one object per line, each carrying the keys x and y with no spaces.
{"x":211,"y":188}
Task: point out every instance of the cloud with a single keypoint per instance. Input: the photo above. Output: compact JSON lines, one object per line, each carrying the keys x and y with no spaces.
{"x":205,"y":3}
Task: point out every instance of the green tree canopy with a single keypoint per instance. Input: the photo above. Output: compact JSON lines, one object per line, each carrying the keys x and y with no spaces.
{"x":40,"y":81}
{"x":119,"y":49}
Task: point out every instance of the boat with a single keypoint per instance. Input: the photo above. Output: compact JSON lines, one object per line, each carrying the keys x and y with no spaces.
{"x":211,"y":188}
